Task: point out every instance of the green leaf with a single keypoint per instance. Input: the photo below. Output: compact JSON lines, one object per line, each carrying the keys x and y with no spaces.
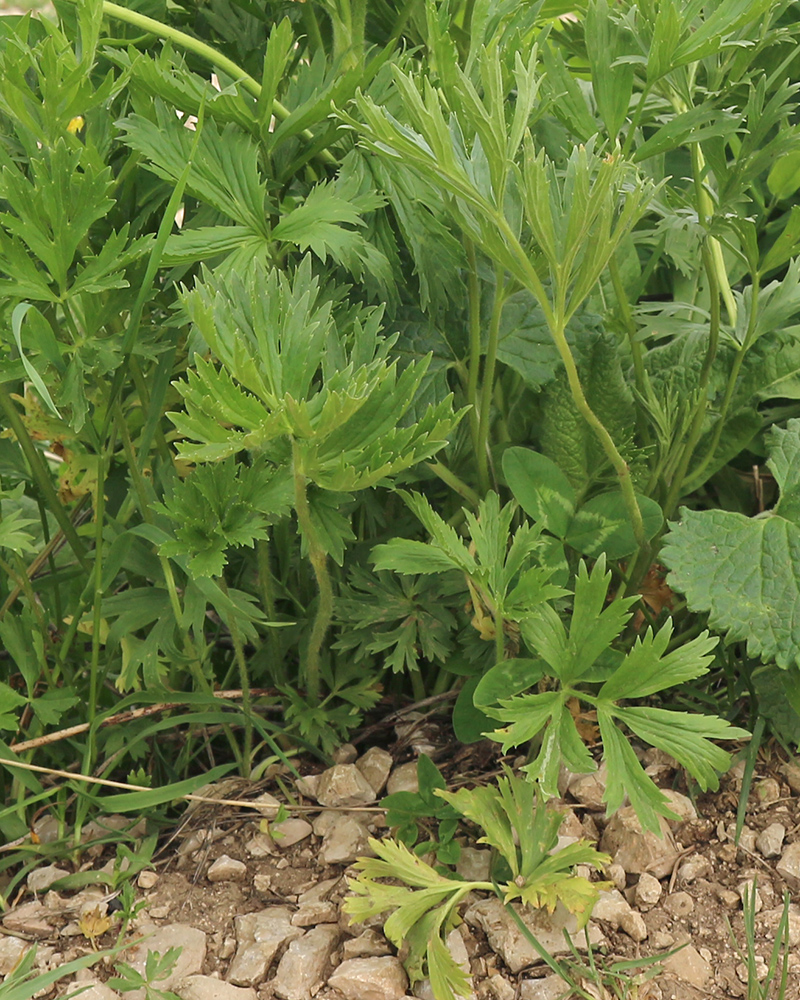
{"x":224,"y":172}
{"x":648,"y":668}
{"x":594,"y":625}
{"x":17,"y":316}
{"x":540,"y":488}
{"x":9,"y":702}
{"x":505,"y":679}
{"x":783,"y":180}
{"x":470,"y":724}
{"x":150,"y":797}
{"x":612,"y":82}
{"x":602,"y":525}
{"x":788,"y":242}
{"x":744,"y":571}
{"x":626,"y":776}
{"x":686,"y":737}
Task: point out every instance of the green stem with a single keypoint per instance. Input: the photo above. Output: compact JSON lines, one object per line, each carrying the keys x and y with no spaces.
{"x":487,"y":384}
{"x":244,"y":681}
{"x":42,"y":477}
{"x":97,"y":594}
{"x":733,"y":376}
{"x":144,"y":502}
{"x":696,"y":430}
{"x":557,"y":327}
{"x":474,"y":319}
{"x":637,"y":116}
{"x":628,"y":323}
{"x":499,"y":637}
{"x":319,"y":563}
{"x":455,"y":484}
{"x":264,"y":572}
{"x":208,"y":53}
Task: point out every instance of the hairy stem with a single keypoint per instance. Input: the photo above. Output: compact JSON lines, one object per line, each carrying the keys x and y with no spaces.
{"x":487,"y":384}
{"x":474,"y":319}
{"x":319,"y":563}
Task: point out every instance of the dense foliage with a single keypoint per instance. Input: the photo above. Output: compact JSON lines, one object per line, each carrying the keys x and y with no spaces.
{"x":354,"y":349}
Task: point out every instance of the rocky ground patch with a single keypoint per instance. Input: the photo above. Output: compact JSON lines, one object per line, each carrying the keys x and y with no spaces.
{"x":255,"y":903}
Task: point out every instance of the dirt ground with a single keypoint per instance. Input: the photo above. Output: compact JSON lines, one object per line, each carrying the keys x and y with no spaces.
{"x":696,"y":903}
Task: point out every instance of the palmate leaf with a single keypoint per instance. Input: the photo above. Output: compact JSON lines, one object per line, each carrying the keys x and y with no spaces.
{"x":224,"y":172}
{"x":398,"y":618}
{"x":318,"y":224}
{"x":424,"y":905}
{"x":219,"y":507}
{"x":686,"y":737}
{"x":644,"y":670}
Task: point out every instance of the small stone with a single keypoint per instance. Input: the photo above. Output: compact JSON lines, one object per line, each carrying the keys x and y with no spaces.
{"x":639,"y":850}
{"x":147,"y":880}
{"x":694,"y":867}
{"x":767,"y":792}
{"x":369,"y":944}
{"x":770,"y":840}
{"x":259,"y":937}
{"x":226,"y":869}
{"x":747,"y":840}
{"x":370,"y":979}
{"x":589,"y":827}
{"x":474,"y":864}
{"x":11,"y":951}
{"x":679,"y":904}
{"x":632,"y":923}
{"x":788,"y":867}
{"x":770,"y":919}
{"x":680,"y":804}
{"x":746,"y":892}
{"x":308,"y":785}
{"x":403,"y":779}
{"x":507,"y":940}
{"x":31,"y":919}
{"x":689,"y":965}
{"x":501,"y":988}
{"x":549,"y":988}
{"x":319,"y":912}
{"x":611,"y":906}
{"x":648,"y":890}
{"x":190,"y":941}
{"x":791,"y":771}
{"x":345,"y":841}
{"x":260,"y":846}
{"x":376,"y":765}
{"x":210,"y":988}
{"x":661,"y":940}
{"x":40,"y":879}
{"x":290,"y":832}
{"x":618,"y":875}
{"x":344,"y":785}
{"x":345,"y":754}
{"x":729,"y":898}
{"x":588,"y":789}
{"x":92,"y":989}
{"x":761,"y":970}
{"x":301,"y":971}
{"x":319,"y":891}
{"x":268,"y":805}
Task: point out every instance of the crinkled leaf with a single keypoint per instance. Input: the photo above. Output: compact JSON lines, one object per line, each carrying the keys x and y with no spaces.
{"x":744,"y":571}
